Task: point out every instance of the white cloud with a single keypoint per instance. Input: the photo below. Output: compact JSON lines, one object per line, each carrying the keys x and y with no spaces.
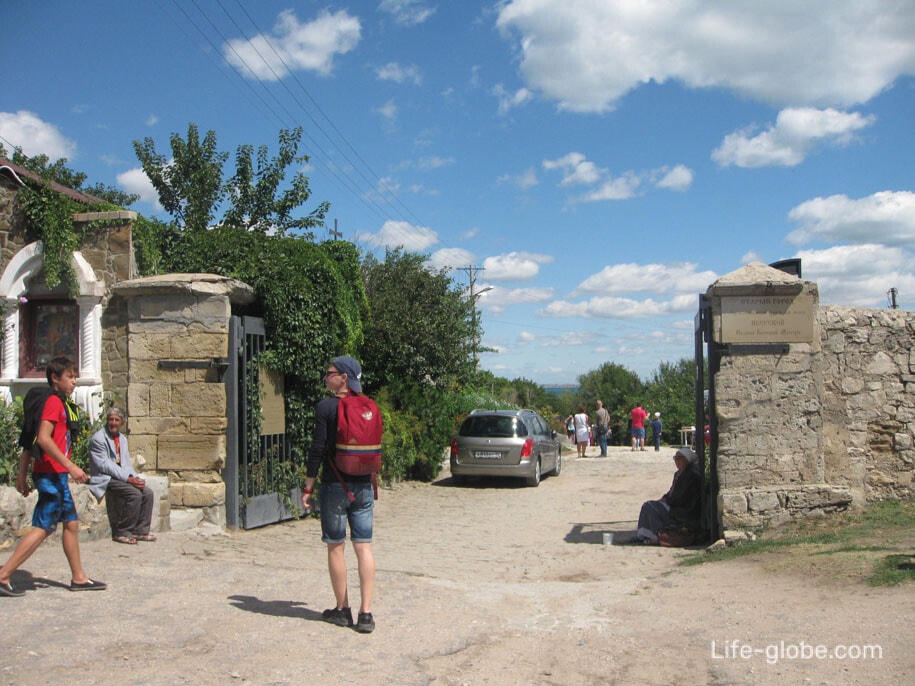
{"x":859,"y":275}
{"x":152,"y":120}
{"x":407,"y":12}
{"x":680,"y":178}
{"x":752,"y":256}
{"x":614,"y":188}
{"x":34,"y":136}
{"x":676,"y":277}
{"x":399,"y":234}
{"x":576,"y":169}
{"x":434,"y":162}
{"x":620,"y":308}
{"x":496,"y":300}
{"x":525,"y":180}
{"x":388,"y":111}
{"x":451,"y":258}
{"x":508,"y":101}
{"x":514,"y":266}
{"x":393,"y":71}
{"x":887,"y":217}
{"x":135,"y":181}
{"x":586,"y":55}
{"x":295,"y":46}
{"x":790,"y":140}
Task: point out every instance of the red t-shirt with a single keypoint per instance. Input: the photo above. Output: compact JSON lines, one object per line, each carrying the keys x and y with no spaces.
{"x":54,"y":411}
{"x":638,"y":418}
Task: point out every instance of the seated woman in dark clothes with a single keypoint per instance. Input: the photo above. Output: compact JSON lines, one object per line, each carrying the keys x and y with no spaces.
{"x":679,"y":505}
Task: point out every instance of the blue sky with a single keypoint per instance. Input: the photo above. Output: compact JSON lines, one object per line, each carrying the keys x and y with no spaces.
{"x":599,"y":162}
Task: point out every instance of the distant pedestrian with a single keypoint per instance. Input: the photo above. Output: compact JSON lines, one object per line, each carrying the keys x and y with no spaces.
{"x":656,"y":431}
{"x":582,"y":431}
{"x":602,"y":417}
{"x":570,"y":427}
{"x":638,"y":416}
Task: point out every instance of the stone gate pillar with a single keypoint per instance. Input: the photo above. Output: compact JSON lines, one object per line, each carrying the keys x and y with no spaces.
{"x":177,"y":344}
{"x":769,"y":399}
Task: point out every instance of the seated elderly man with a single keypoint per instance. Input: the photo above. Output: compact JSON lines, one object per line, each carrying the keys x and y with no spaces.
{"x":130,"y":503}
{"x":679,"y":505}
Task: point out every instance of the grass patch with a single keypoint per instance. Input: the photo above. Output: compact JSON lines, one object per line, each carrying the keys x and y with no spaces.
{"x":874,"y":545}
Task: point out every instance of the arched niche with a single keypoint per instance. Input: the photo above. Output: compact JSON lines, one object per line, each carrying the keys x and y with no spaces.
{"x":22,"y":273}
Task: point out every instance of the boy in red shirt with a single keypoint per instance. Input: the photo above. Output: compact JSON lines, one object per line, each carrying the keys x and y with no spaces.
{"x":52,"y":467}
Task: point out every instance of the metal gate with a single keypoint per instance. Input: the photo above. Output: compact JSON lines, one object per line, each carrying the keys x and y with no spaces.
{"x":255,"y":460}
{"x":705,"y":437}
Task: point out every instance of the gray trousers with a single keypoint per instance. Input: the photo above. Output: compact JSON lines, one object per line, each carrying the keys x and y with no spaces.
{"x":129,"y":508}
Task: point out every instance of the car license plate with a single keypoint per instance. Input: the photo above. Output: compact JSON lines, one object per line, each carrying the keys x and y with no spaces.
{"x":487,"y":455}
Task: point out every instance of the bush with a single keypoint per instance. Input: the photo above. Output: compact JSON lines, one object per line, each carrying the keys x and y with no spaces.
{"x":10,"y":426}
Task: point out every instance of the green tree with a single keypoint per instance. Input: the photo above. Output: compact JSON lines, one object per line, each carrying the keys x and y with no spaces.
{"x":419,"y":324}
{"x":189,"y":184}
{"x":256,"y":201}
{"x":671,"y":390}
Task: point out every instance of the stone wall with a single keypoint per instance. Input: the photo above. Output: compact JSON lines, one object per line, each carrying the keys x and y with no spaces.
{"x":812,"y":426}
{"x":177,"y":333}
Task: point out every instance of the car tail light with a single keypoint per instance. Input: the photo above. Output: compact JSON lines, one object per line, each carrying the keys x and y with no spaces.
{"x":528,"y":448}
{"x":454,"y":449}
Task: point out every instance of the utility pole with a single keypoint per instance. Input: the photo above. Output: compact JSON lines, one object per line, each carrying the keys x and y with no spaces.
{"x":334,"y":233}
{"x":474,"y":294}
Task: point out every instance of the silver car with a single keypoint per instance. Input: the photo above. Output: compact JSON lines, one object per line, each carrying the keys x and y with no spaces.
{"x":505,"y":443}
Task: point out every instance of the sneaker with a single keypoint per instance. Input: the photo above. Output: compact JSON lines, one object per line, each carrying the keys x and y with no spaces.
{"x":339,"y":616}
{"x":366,"y":623}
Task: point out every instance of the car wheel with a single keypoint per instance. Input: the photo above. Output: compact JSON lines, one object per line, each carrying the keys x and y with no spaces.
{"x":558,"y":467}
{"x":534,"y":479}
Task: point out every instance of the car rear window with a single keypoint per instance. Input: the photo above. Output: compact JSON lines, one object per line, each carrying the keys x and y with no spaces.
{"x":493,"y":426}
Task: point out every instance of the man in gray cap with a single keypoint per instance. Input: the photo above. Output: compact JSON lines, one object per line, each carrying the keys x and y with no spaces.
{"x":337,"y":510}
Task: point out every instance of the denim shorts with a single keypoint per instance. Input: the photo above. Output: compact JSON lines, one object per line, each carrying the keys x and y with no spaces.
{"x":638,"y":433}
{"x":55,"y":504}
{"x":337,"y":510}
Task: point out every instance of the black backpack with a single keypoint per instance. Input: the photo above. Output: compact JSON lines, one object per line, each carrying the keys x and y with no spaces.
{"x":32,"y":409}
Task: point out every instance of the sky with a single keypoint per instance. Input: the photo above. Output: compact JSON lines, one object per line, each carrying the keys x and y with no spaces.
{"x":591,"y":166}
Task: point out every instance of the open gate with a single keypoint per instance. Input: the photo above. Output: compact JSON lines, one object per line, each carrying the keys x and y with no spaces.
{"x":257,"y":452}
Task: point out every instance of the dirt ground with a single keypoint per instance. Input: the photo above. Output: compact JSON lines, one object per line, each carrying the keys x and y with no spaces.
{"x":492,"y":583}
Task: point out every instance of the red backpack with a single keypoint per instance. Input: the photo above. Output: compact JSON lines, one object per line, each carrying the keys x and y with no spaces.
{"x":358,"y":445}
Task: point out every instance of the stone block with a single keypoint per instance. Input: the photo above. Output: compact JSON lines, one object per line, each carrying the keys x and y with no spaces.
{"x":735,"y":503}
{"x":197,"y":494}
{"x":184,"y":519}
{"x":199,"y":345}
{"x":145,"y":446}
{"x":137,"y":400}
{"x":200,"y":400}
{"x":159,"y":425}
{"x":762,"y":501}
{"x":150,"y":346}
{"x":208,"y":425}
{"x":191,"y":452}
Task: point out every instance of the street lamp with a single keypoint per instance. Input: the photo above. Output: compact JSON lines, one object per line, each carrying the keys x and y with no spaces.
{"x":473,"y":311}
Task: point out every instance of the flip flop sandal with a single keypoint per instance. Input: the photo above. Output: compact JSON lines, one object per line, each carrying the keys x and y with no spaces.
{"x":127,"y":540}
{"x":149,"y":538}
{"x":89,"y":585}
{"x":10,"y":592}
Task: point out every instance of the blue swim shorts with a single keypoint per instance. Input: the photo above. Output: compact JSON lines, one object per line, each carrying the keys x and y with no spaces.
{"x":55,"y":504}
{"x":337,"y":511}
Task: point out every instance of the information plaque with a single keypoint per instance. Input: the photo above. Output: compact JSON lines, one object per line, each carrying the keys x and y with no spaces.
{"x":767,"y":319}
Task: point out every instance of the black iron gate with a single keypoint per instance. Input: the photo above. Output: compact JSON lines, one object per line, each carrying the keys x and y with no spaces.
{"x":255,"y":461}
{"x":705,"y":437}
